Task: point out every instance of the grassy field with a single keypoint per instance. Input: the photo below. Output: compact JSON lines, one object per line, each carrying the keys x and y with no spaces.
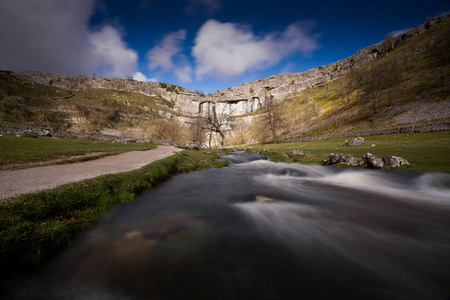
{"x":34,"y":227}
{"x":424,"y":151}
{"x":16,"y":151}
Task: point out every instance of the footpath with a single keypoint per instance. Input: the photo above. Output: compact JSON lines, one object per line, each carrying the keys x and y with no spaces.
{"x":16,"y":182}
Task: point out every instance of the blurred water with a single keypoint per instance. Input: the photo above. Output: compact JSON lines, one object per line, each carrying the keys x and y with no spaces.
{"x":265,"y":230}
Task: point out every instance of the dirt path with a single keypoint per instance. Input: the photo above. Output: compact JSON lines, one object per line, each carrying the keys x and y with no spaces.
{"x":16,"y":182}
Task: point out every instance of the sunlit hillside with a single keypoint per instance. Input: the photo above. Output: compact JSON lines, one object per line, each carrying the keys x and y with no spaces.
{"x":408,"y":85}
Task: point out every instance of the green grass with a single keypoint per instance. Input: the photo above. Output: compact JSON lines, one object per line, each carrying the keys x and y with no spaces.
{"x":424,"y":151}
{"x":23,"y":150}
{"x":34,"y":227}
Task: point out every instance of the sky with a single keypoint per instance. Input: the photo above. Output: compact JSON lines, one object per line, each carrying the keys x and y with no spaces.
{"x":203,"y":45}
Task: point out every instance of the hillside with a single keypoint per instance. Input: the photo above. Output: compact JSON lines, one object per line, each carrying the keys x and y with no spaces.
{"x":400,"y":81}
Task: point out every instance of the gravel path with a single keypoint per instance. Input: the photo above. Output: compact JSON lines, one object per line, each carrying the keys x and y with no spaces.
{"x":16,"y":182}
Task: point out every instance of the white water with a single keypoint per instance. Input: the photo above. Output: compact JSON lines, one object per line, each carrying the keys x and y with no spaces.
{"x":265,"y":230}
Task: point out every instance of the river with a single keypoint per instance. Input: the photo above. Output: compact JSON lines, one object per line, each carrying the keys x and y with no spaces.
{"x":265,"y":230}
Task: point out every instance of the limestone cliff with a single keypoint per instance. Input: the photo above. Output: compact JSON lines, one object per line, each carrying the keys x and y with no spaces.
{"x":245,"y":98}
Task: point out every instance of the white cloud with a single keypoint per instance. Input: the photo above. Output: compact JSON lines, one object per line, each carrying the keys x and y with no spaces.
{"x":141,"y":77}
{"x":202,"y":7}
{"x":168,"y":56}
{"x":398,"y":32}
{"x":53,"y":36}
{"x":111,"y":53}
{"x":229,"y":49}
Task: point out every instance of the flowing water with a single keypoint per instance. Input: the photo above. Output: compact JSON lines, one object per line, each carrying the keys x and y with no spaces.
{"x":265,"y":230}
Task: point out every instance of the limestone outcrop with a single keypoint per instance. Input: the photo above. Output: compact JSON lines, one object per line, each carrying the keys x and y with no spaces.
{"x":245,"y":98}
{"x":372,"y":161}
{"x":354,"y":142}
{"x":347,"y":159}
{"x":394,"y":161}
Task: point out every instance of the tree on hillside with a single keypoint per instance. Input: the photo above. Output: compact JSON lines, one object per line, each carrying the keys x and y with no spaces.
{"x":377,"y":82}
{"x":196,"y":131}
{"x":370,"y":82}
{"x":169,"y":129}
{"x":269,"y":123}
{"x":346,"y":89}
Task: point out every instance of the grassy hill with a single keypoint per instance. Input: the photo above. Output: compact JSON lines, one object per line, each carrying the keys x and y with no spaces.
{"x":26,"y":103}
{"x":408,"y":85}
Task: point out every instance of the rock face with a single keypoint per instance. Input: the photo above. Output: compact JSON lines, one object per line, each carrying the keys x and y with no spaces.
{"x":347,"y":159}
{"x":394,"y":161}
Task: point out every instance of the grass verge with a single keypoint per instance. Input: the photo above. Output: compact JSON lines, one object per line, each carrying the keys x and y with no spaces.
{"x":25,"y":149}
{"x":35,"y":227}
{"x":424,"y":151}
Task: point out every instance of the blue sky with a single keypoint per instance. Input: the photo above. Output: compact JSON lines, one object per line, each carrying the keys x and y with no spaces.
{"x":204,"y":45}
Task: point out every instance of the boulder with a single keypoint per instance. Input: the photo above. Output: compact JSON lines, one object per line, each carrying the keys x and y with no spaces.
{"x":348,"y":159}
{"x":355,"y":142}
{"x":296,"y":152}
{"x":394,"y":161}
{"x":372,"y":161}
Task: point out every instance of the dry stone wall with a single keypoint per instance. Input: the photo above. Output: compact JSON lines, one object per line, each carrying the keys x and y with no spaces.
{"x":404,"y":129}
{"x":41,"y":131}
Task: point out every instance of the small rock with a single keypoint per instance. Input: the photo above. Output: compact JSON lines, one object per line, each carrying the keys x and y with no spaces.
{"x":373,"y":145}
{"x":284,"y":155}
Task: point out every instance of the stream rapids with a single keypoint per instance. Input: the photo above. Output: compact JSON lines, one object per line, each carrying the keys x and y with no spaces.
{"x":265,"y":230}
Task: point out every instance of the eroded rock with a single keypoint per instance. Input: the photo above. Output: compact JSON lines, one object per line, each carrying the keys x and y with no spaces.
{"x":372,"y":161}
{"x":394,"y":161}
{"x":355,"y":142}
{"x":347,"y":159}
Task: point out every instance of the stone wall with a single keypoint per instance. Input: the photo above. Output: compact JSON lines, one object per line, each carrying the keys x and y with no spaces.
{"x":40,"y":131}
{"x":403,"y":129}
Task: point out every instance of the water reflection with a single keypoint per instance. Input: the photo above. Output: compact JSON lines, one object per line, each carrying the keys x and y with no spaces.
{"x":265,"y":230}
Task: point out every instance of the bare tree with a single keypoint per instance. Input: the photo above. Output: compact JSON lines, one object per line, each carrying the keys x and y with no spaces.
{"x":217,"y":120}
{"x":272,"y":120}
{"x":196,"y":132}
{"x":370,"y":82}
{"x":347,"y":87}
